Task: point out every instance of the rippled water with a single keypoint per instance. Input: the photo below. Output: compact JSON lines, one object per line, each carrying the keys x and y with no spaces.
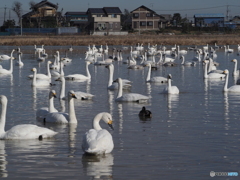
{"x":189,"y":135}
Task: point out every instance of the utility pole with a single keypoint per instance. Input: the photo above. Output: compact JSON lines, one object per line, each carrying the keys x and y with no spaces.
{"x":4,"y":13}
{"x":227,"y":13}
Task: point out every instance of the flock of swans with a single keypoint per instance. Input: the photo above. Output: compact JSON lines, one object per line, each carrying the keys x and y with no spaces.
{"x":98,"y":140}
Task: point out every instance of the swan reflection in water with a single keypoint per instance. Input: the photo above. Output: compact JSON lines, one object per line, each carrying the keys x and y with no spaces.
{"x":172,"y":102}
{"x":3,"y":162}
{"x":98,"y":166}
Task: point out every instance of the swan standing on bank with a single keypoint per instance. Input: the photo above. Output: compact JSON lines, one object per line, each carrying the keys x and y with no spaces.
{"x":64,"y":118}
{"x":234,"y":88}
{"x":23,"y":131}
{"x":156,"y":79}
{"x":42,"y":112}
{"x":129,"y":97}
{"x":98,"y":140}
{"x":5,"y":71}
{"x":79,"y":94}
{"x":169,"y":89}
{"x":80,"y":76}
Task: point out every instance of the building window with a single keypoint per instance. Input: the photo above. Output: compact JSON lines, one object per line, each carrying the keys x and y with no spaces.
{"x":150,"y":23}
{"x":142,"y":23}
{"x":135,"y":15}
{"x":149,"y":15}
{"x":114,"y":16}
{"x":110,"y":26}
{"x":48,"y":12}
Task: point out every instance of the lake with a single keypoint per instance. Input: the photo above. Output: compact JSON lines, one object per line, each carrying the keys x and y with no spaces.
{"x":188,"y":136}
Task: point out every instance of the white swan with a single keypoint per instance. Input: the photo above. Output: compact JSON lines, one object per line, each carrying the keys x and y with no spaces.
{"x":181,"y":51}
{"x":19,"y":62}
{"x":156,"y":79}
{"x":98,"y":140}
{"x":38,"y":49}
{"x":40,"y":58}
{"x":5,"y":71}
{"x":6,"y":57}
{"x":234,"y":88}
{"x":66,"y":59}
{"x":235,"y":71}
{"x":43,"y":76}
{"x":79,"y":94}
{"x":39,"y":82}
{"x":114,"y":85}
{"x":129,"y":97}
{"x":169,"y":89}
{"x":211,"y":75}
{"x":23,"y":131}
{"x":80,"y":76}
{"x":187,"y":63}
{"x":42,"y":112}
{"x":63,"y":118}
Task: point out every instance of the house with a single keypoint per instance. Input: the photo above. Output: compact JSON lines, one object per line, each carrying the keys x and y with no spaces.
{"x":209,"y":20}
{"x":42,"y":14}
{"x":104,"y":21}
{"x":77,"y":19}
{"x":144,"y":18}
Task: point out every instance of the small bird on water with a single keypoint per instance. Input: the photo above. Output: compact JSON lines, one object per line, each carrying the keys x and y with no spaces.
{"x":145,"y":113}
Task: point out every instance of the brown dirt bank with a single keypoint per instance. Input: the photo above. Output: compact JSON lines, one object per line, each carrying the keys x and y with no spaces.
{"x":78,"y":40}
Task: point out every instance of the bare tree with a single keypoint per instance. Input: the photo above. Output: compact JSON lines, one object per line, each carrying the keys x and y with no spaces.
{"x":32,"y":4}
{"x":17,"y":8}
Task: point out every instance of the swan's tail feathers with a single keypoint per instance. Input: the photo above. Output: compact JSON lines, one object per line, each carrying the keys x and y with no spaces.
{"x":47,"y":135}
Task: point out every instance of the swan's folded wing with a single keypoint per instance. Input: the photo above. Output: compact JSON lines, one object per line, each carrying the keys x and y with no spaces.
{"x":57,"y":117}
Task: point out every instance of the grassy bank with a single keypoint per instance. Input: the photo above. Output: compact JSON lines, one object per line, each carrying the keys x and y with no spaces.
{"x":78,"y":40}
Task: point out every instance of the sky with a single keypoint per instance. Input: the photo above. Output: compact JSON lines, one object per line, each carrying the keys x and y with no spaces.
{"x":187,"y":8}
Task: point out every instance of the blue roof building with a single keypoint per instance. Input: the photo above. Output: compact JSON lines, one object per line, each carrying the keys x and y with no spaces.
{"x":209,"y":20}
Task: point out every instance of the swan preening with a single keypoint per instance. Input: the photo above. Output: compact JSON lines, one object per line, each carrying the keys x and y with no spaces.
{"x":23,"y":131}
{"x":129,"y":97}
{"x":169,"y":89}
{"x":98,"y":140}
{"x":234,"y":88}
{"x":64,"y":118}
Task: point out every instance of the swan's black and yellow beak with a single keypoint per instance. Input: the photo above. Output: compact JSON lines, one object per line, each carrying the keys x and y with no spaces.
{"x":110,"y":124}
{"x":74,"y":96}
{"x":54,"y":95}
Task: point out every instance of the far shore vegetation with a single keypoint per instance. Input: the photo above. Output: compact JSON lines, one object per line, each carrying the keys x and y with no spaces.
{"x":131,"y":39}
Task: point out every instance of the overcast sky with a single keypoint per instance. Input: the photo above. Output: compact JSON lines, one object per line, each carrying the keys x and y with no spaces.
{"x":187,"y":8}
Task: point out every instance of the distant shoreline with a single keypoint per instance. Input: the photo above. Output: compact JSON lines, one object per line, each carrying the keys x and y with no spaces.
{"x":84,"y":40}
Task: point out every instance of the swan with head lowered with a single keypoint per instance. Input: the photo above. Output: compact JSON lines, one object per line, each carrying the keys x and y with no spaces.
{"x":114,"y":85}
{"x":42,"y":112}
{"x":43,"y":76}
{"x":64,"y":118}
{"x":23,"y":131}
{"x":80,"y":76}
{"x":5,"y":71}
{"x":79,"y":94}
{"x":129,"y":97}
{"x":169,"y":89}
{"x":7,"y":57}
{"x":157,"y":79}
{"x":234,"y":88}
{"x":98,"y":140}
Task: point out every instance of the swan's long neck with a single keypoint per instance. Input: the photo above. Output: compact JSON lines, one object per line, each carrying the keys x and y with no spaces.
{"x":210,"y":65}
{"x":19,"y":57}
{"x":34,"y":78}
{"x":96,"y":120}
{"x":111,"y":70}
{"x":149,"y":73}
{"x":72,"y":115}
{"x":3,"y":118}
{"x":225,"y":88}
{"x":11,"y":65}
{"x":169,"y":86}
{"x":51,"y":105}
{"x":205,"y":70}
{"x":235,"y":67}
{"x":183,"y":60}
{"x":87,"y":70}
{"x":62,"y":93}
{"x":48,"y":71}
{"x":160,"y":58}
{"x":120,"y":87}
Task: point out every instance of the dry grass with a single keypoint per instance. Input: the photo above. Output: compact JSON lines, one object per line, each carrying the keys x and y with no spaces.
{"x":78,"y":40}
